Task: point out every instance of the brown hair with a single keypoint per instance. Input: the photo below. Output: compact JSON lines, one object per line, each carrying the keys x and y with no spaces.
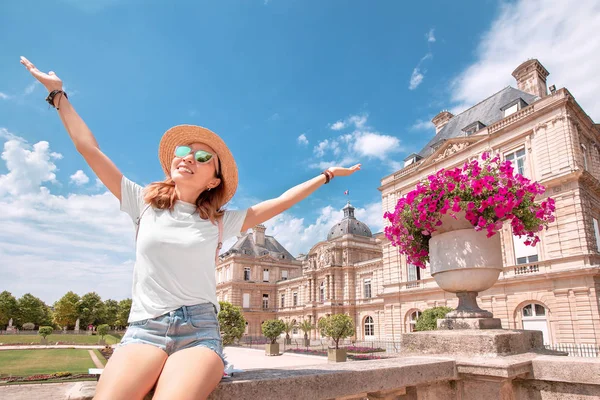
{"x":161,"y":195}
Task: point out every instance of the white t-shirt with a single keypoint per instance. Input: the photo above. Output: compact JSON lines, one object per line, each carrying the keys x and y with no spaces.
{"x":175,"y":254}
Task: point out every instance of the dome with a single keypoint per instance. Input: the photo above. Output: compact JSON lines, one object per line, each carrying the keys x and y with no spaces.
{"x":349,"y":225}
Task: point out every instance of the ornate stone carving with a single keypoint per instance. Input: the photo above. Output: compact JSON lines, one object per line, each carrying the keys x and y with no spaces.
{"x":452,"y":149}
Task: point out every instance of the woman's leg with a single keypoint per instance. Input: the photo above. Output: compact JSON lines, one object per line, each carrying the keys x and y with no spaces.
{"x":131,"y":372}
{"x":191,"y":373}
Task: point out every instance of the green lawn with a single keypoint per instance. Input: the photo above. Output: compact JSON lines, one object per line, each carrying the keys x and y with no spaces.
{"x":63,"y":339}
{"x":46,"y":361}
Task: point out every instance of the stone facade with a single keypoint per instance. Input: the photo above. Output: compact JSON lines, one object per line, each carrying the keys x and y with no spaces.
{"x":553,"y":288}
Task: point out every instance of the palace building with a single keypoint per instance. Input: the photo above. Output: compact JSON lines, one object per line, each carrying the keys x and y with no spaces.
{"x":553,"y":287}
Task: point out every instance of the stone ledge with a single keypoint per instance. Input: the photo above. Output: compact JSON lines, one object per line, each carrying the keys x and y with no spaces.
{"x":488,"y":342}
{"x":327,"y":381}
{"x":567,"y":369}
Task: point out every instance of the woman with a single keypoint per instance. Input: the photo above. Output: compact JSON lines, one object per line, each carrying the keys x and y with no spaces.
{"x":173,"y":338}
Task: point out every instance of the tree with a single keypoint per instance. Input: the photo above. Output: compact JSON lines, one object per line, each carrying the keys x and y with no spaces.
{"x":272,"y":329}
{"x":306,"y":327}
{"x":8,"y":308}
{"x":91,"y":309}
{"x":31,"y":309}
{"x":427,"y":321}
{"x":123,"y":313}
{"x":28,"y":326}
{"x":66,"y":310}
{"x":289,"y":326}
{"x":232,"y":322}
{"x":112,"y":311}
{"x":336,"y":327}
{"x":102,"y":330}
{"x":45,"y":331}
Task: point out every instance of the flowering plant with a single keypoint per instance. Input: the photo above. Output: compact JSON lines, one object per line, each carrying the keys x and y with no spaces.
{"x":488,"y":193}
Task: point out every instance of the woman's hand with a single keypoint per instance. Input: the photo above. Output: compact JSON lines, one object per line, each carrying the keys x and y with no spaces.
{"x":49,"y":80}
{"x":339,"y":171}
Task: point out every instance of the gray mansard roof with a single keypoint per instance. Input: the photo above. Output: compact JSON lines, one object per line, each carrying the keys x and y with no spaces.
{"x":246,"y":245}
{"x":487,"y":112}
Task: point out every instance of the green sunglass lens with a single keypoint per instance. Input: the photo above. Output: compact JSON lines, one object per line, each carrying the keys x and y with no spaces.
{"x":203,"y":156}
{"x":182,"y":151}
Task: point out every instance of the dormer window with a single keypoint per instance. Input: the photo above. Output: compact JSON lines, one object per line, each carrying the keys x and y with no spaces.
{"x":472,"y":128}
{"x":413,"y":158}
{"x":513,"y":107}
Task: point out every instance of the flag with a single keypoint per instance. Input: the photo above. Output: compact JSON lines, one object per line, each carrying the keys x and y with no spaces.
{"x":347,"y":192}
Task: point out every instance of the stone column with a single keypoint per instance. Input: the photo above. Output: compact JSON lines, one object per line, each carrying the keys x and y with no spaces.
{"x":309,"y":290}
{"x":327,"y":294}
{"x":333,"y":286}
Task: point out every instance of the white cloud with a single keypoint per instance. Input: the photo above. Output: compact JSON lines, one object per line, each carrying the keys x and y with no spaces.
{"x":4,"y":96}
{"x":430,"y":36}
{"x":350,"y":148}
{"x":320,"y":149}
{"x":303,"y":140}
{"x":298,"y":236}
{"x":28,"y":167}
{"x":422,"y":125}
{"x":562,"y":35}
{"x":74,"y":242}
{"x":415,"y":79}
{"x":31,"y":87}
{"x":339,"y":125}
{"x":376,"y":145}
{"x":79,"y":178}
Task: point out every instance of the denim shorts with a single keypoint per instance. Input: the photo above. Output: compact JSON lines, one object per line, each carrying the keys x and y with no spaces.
{"x":183,"y":328}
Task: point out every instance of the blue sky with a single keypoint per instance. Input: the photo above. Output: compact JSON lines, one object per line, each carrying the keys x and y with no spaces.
{"x":292,"y":87}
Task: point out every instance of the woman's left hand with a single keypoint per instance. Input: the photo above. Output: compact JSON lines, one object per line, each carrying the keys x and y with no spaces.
{"x":339,"y":171}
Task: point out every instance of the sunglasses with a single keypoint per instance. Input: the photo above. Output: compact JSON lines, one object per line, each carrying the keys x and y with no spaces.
{"x":201,"y":156}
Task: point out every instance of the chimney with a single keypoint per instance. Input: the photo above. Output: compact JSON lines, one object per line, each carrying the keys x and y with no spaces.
{"x":441,"y":120}
{"x":259,"y":235}
{"x":531,"y":78}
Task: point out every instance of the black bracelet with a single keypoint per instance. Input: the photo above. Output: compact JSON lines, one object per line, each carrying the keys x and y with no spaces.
{"x":327,"y":178}
{"x":52,"y":95}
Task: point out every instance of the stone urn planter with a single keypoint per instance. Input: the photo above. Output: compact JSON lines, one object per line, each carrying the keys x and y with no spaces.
{"x":336,"y":355}
{"x":272,"y":349}
{"x":465,"y":261}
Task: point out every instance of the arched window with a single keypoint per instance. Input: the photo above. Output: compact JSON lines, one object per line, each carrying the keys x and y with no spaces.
{"x":534,"y":317}
{"x":412,"y":320}
{"x":369,"y":326}
{"x":322,"y":292}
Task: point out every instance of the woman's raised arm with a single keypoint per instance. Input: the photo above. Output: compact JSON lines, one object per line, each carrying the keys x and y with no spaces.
{"x":80,"y":134}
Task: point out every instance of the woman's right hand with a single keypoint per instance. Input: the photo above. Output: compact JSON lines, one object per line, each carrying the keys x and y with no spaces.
{"x":49,"y":80}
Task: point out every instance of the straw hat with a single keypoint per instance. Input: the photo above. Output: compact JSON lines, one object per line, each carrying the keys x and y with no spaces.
{"x":188,"y":134}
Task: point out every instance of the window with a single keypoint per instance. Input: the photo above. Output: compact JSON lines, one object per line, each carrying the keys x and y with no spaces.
{"x":412,"y":322}
{"x":534,"y":318}
{"x":472,"y":128}
{"x":265,"y":275}
{"x":511,"y":110}
{"x":517,"y":159}
{"x":295,"y":298}
{"x":282,"y":305}
{"x":367,"y":288}
{"x":414,"y":273}
{"x":220,"y":278}
{"x":369,"y":326}
{"x":513,"y":107}
{"x":597,"y":233}
{"x":247,"y":273}
{"x":413,"y":158}
{"x":584,"y":152}
{"x":524,"y":254}
{"x":322,"y":292}
{"x":228,"y":274}
{"x":226,"y":298}
{"x":265,"y":301}
{"x":284,"y":274}
{"x":246,"y":300}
